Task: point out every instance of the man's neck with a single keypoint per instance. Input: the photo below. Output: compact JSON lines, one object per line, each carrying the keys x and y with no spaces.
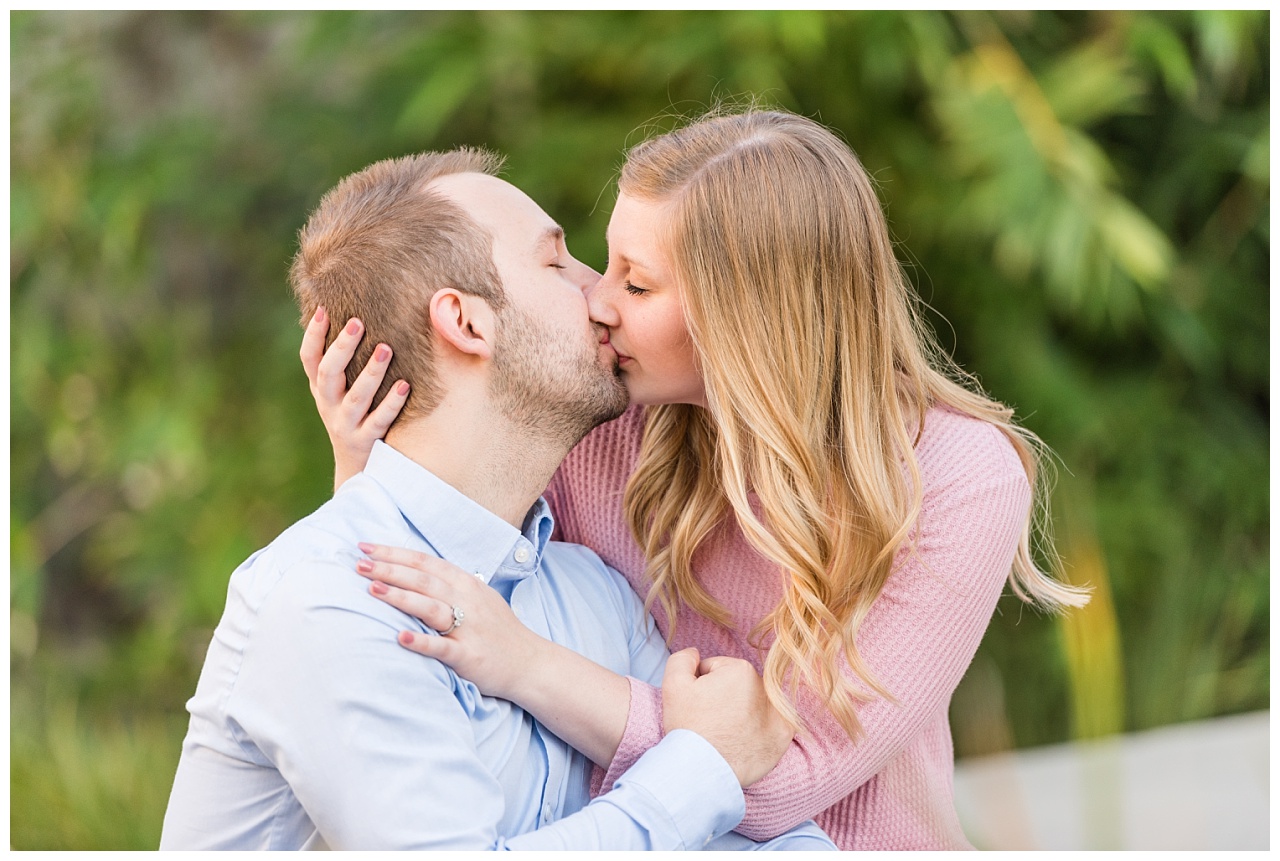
{"x":482,"y":455}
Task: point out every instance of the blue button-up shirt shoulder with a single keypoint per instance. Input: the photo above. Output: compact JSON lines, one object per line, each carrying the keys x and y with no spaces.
{"x":311,"y":727}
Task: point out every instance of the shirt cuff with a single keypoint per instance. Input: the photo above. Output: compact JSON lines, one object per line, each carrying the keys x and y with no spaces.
{"x":805,"y":837}
{"x":693,"y":783}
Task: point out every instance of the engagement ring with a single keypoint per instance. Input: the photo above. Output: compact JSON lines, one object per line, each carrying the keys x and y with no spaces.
{"x":458,"y":616}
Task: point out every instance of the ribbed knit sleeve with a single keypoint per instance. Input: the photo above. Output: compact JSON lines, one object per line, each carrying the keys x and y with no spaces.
{"x":644,"y":730}
{"x":893,"y":788}
{"x":918,"y":639}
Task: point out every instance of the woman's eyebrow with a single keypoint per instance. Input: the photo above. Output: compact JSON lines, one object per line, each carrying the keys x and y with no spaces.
{"x":631,"y":261}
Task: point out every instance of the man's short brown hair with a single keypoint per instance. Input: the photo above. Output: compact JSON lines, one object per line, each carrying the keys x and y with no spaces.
{"x":379,"y":246}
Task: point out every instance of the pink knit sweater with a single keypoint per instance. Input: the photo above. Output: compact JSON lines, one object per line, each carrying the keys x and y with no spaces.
{"x":892,"y":789}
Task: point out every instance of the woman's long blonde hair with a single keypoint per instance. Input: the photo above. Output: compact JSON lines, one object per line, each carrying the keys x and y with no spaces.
{"x":818,"y":374}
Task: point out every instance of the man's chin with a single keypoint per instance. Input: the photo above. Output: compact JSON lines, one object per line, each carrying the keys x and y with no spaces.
{"x":617,"y":407}
{"x":621,"y":379}
{"x":611,"y":404}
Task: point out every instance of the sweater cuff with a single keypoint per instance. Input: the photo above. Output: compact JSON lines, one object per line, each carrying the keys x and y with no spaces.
{"x":643,"y":731}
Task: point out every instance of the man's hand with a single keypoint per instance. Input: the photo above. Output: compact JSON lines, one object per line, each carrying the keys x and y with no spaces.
{"x":723,"y":700}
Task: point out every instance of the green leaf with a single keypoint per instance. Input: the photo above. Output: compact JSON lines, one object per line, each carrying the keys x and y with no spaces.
{"x":437,"y":98}
{"x":1142,"y":251}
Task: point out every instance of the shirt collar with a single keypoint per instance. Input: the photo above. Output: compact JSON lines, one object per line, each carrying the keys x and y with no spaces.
{"x":460,"y":529}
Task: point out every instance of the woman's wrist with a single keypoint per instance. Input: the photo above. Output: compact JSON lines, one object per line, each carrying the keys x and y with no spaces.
{"x":346,"y":465}
{"x":341,"y":475}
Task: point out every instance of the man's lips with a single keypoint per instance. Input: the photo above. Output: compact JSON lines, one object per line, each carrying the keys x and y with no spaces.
{"x":606,"y":342}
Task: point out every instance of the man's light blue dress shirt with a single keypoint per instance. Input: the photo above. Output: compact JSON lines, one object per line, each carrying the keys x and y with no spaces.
{"x":312,"y":728}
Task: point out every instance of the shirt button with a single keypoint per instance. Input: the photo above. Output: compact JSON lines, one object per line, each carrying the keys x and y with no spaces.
{"x":546,"y":812}
{"x":522,"y":554}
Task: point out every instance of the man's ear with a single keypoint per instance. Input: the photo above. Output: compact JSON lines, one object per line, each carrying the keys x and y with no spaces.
{"x":464,"y":321}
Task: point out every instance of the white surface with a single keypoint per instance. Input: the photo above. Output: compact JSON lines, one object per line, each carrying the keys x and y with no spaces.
{"x":1203,"y":785}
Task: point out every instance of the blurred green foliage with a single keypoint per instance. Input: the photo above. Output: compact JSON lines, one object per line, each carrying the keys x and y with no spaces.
{"x":1082,"y":199}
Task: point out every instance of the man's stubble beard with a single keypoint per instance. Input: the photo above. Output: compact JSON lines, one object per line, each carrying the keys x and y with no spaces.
{"x":552,"y":387}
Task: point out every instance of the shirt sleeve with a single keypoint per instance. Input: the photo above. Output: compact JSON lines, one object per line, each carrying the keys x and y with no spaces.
{"x":678,"y":795}
{"x":918,"y":639}
{"x":805,"y":837}
{"x":377,"y":746}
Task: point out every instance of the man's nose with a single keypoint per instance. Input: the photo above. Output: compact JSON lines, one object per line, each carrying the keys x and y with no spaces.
{"x":599,"y":308}
{"x":586,"y":277}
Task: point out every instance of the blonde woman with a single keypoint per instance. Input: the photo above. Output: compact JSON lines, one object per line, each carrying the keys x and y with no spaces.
{"x":802,"y":480}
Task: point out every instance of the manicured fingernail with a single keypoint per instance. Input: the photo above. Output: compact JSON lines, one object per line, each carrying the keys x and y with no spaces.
{"x":365,"y":548}
{"x":319,"y":317}
{"x":406,"y":638}
{"x":353,"y":328}
{"x":402,"y":388}
{"x":382,"y":353}
{"x":364,"y":566}
{"x":377,"y":587}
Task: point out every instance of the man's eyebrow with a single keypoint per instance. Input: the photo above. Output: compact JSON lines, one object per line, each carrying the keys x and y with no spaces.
{"x":553,"y":234}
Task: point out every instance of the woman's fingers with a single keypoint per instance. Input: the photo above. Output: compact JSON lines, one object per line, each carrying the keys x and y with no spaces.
{"x":360,"y":398}
{"x":432,"y":612}
{"x":441,"y":648}
{"x":416,"y":602}
{"x":313,"y":343}
{"x":489,"y":646}
{"x":405,"y":578}
{"x":379,"y":421}
{"x":331,"y":374}
{"x":423,"y":562}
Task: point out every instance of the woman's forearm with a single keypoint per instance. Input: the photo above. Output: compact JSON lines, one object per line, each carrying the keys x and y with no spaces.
{"x":577,"y":699}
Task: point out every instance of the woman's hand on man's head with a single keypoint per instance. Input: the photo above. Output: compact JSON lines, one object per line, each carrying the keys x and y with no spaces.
{"x":346,"y":414}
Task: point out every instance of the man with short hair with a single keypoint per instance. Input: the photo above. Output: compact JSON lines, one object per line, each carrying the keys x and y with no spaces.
{"x":311,"y":727}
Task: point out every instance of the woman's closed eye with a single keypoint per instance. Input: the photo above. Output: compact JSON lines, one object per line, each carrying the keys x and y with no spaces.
{"x":633,"y":289}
